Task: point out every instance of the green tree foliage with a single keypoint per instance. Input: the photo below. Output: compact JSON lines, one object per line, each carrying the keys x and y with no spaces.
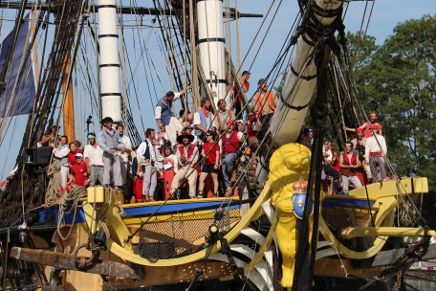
{"x":399,"y":81}
{"x":362,"y":49}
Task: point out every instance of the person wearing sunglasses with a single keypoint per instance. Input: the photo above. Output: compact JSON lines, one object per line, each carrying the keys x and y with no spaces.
{"x":211,"y":157}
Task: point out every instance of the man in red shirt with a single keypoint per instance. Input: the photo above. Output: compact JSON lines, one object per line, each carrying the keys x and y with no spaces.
{"x":79,"y":172}
{"x":368,"y":126}
{"x":245,"y":86}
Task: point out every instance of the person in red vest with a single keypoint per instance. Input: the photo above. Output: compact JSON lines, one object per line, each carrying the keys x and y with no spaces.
{"x":349,"y":163}
{"x":211,"y":161}
{"x":230,"y":146}
{"x":265,"y":104}
{"x":79,"y":172}
{"x":187,"y":156}
{"x":170,"y":167}
{"x":139,"y":180}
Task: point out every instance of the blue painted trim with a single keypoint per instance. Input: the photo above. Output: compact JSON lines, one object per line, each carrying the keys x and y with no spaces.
{"x":173,"y":208}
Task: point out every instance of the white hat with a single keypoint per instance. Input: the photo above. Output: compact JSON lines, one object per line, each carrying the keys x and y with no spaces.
{"x":79,"y":155}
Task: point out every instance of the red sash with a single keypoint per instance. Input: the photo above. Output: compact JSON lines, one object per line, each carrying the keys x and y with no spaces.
{"x":190,"y":152}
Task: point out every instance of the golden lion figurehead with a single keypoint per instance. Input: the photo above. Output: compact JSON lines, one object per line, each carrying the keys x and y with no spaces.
{"x":288,"y":164}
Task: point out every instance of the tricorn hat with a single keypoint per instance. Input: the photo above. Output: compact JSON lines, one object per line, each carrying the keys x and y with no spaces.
{"x":184,"y":135}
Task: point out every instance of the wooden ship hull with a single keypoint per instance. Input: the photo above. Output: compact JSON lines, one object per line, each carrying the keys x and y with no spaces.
{"x":170,"y":247}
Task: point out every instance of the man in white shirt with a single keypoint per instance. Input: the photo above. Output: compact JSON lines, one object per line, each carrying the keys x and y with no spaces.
{"x":375,"y":153}
{"x":61,"y":153}
{"x":110,"y":142}
{"x":94,"y":160}
{"x":203,"y":119}
{"x":187,"y":156}
{"x":165,"y":116}
{"x":147,"y":157}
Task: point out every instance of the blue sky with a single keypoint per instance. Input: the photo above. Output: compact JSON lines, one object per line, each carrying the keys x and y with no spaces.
{"x":385,"y":16}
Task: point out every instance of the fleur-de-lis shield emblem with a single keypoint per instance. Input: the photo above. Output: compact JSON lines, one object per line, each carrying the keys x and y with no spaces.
{"x":299,"y":202}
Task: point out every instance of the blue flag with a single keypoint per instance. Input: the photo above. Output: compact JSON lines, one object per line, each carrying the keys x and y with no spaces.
{"x":25,"y":92}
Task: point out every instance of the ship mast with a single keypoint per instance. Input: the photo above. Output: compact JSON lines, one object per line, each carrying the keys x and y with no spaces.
{"x":211,"y":46}
{"x":110,"y":92}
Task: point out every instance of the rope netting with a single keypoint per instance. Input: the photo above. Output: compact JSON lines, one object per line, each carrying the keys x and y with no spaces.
{"x":180,"y":234}
{"x":339,"y":218}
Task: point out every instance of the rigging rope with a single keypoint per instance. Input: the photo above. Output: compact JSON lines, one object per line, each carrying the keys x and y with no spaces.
{"x":255,"y":37}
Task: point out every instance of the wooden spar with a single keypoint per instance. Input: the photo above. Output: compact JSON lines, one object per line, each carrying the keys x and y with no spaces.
{"x":68,"y":108}
{"x":68,"y":262}
{"x":53,"y":6}
{"x":35,"y":47}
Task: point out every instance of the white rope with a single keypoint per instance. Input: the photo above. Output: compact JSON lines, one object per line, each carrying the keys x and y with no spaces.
{"x":69,"y":202}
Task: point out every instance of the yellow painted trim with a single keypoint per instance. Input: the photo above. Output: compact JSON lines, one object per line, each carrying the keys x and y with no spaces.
{"x":390,"y":188}
{"x":113,"y":218}
{"x":383,"y":219}
{"x":353,"y":232}
{"x":386,"y":194}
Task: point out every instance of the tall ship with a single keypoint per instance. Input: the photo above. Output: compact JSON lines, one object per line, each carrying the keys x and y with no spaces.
{"x":81,"y":64}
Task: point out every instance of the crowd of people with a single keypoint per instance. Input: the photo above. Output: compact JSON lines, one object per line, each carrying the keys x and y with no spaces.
{"x":362,"y":162}
{"x":186,"y":157}
{"x":191,"y":153}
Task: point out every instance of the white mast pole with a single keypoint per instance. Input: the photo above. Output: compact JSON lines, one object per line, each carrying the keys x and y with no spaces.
{"x":109,"y":60}
{"x":211,"y":44}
